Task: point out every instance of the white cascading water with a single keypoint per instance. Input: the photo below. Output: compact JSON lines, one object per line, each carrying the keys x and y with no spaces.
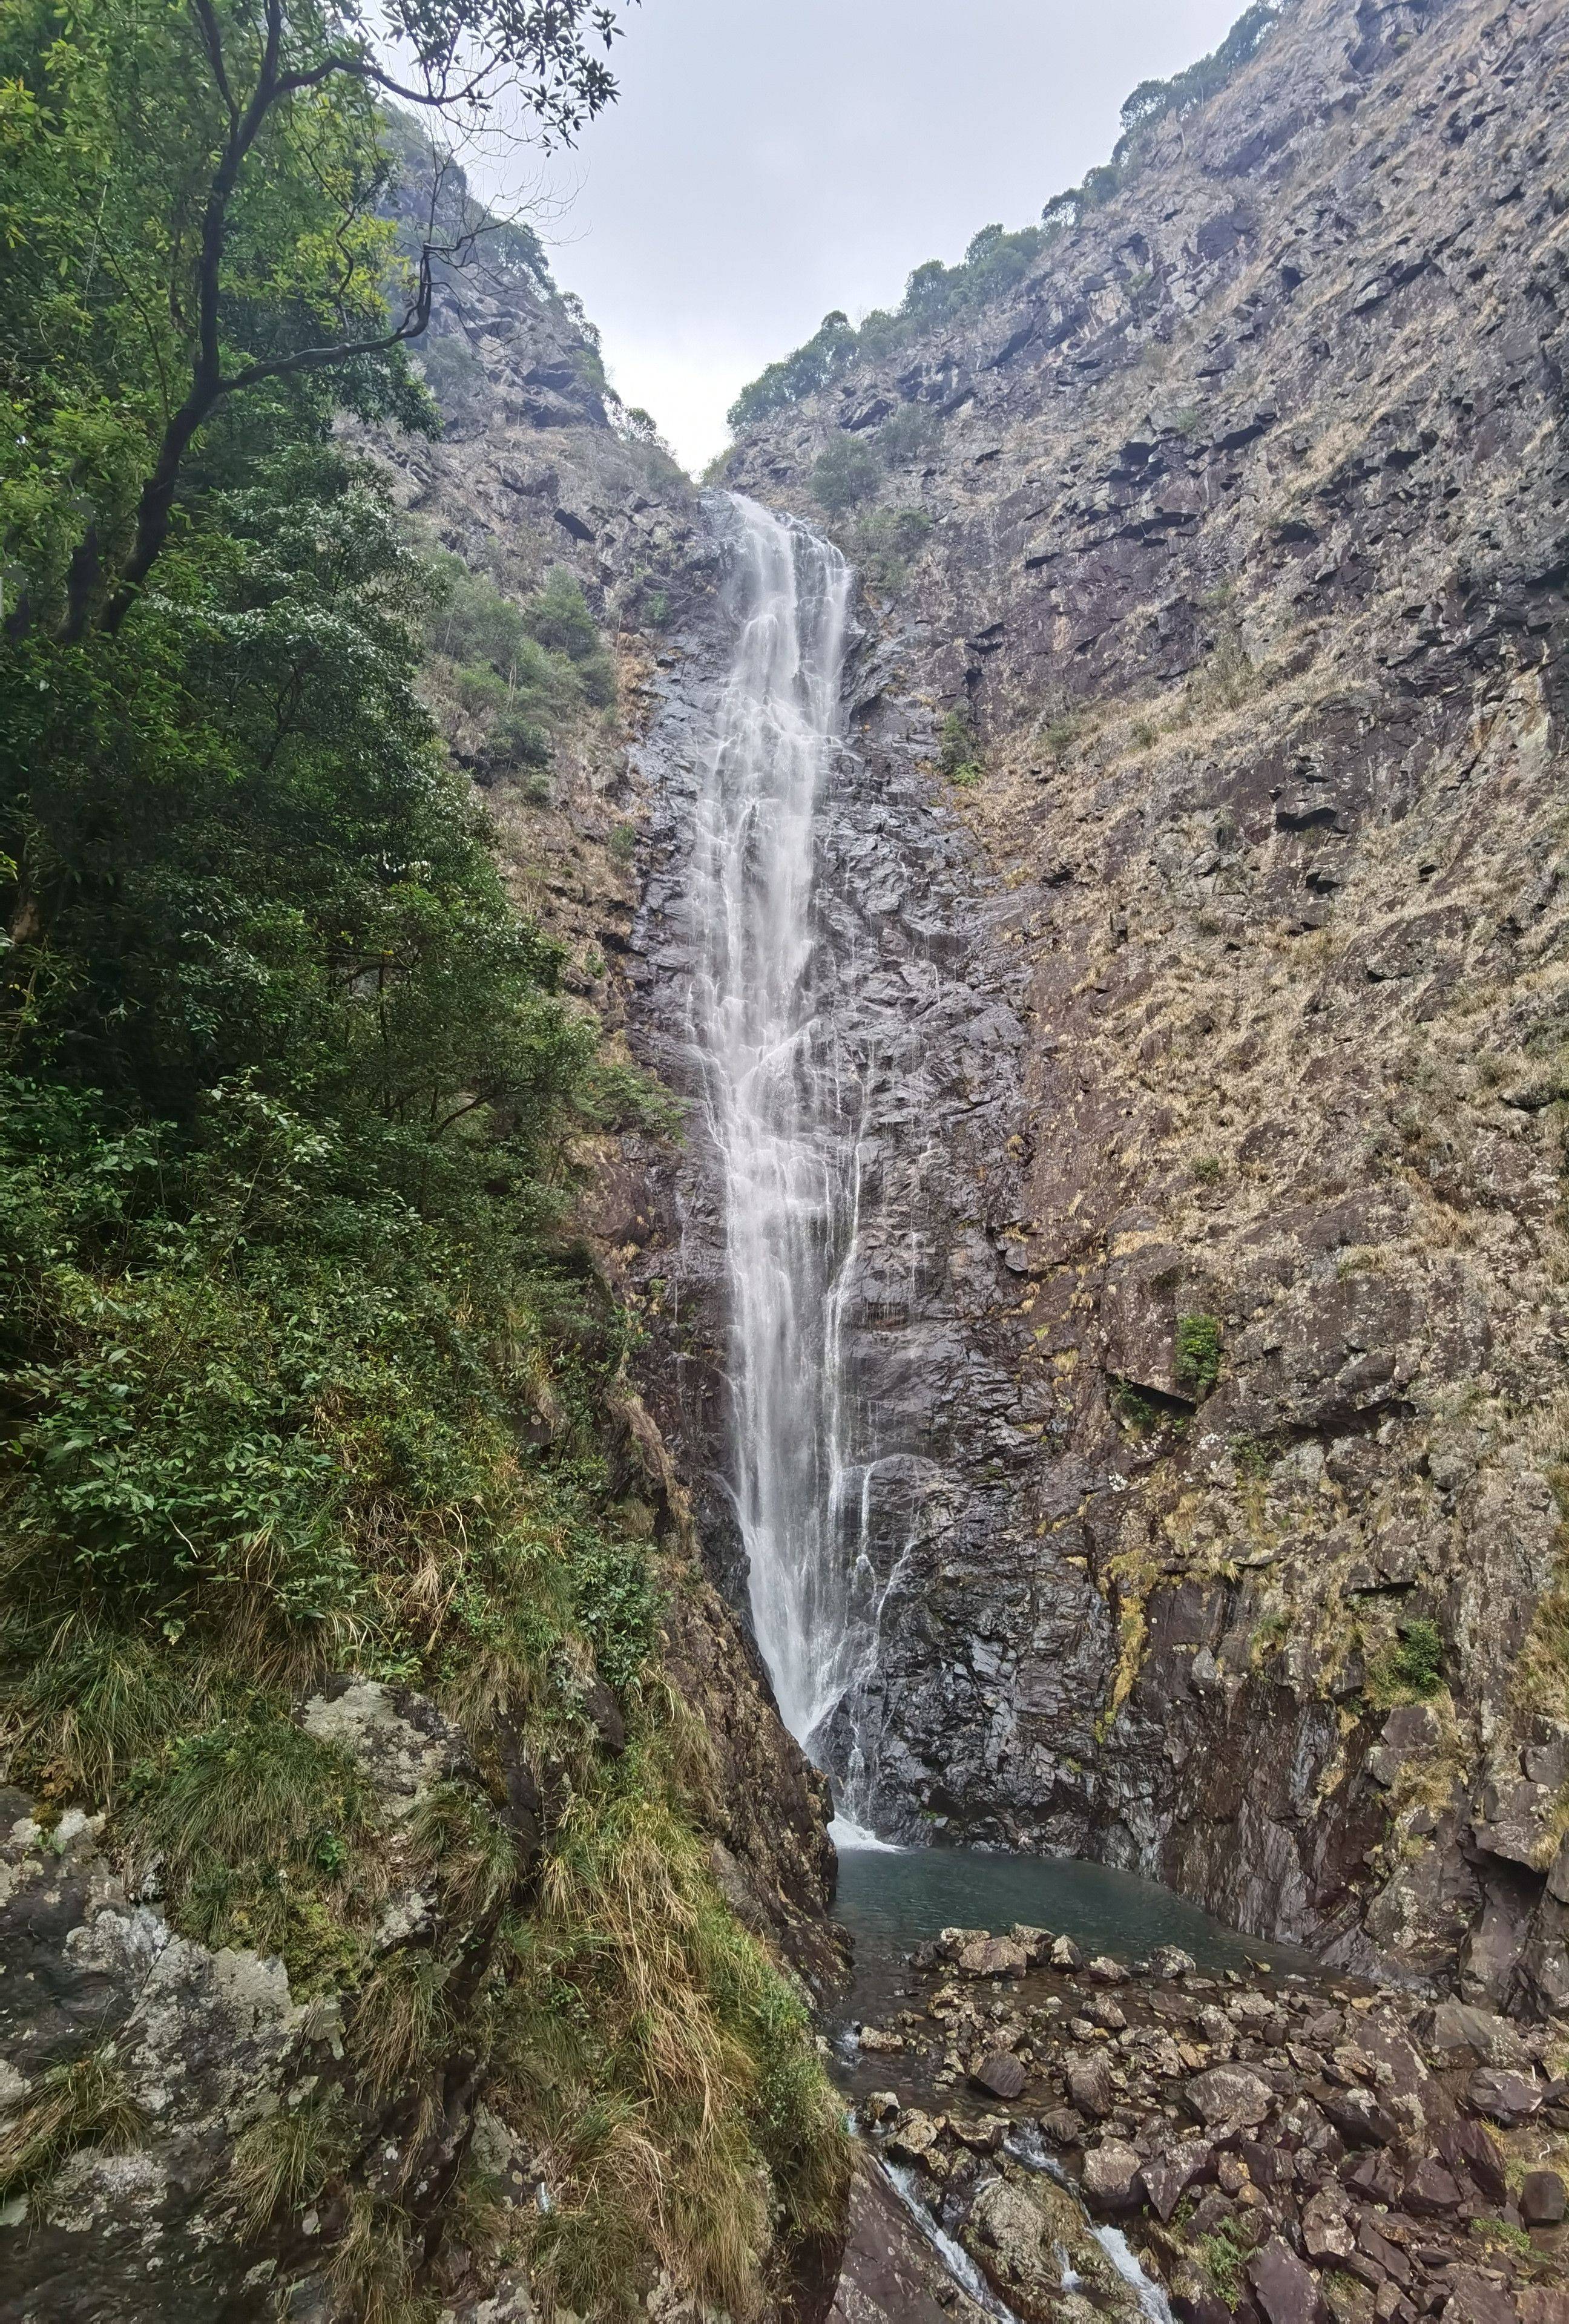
{"x":780,"y":1101}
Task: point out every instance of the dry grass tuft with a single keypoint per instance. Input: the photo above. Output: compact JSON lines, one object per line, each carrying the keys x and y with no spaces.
{"x":87,"y":2102}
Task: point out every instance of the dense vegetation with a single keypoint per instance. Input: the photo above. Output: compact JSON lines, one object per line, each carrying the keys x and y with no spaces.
{"x":300,"y":1371}
{"x":997,"y":259}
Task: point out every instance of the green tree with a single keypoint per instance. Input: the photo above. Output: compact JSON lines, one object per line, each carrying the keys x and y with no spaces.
{"x":846,"y":471}
{"x":190,"y":219}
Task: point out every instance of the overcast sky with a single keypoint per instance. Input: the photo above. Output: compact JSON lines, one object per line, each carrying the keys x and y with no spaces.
{"x":770,"y":159}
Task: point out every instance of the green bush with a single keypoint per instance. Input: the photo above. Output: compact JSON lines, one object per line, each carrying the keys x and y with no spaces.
{"x":911,"y":432}
{"x":847,"y":472}
{"x":958,"y":752}
{"x":1411,"y":1670}
{"x":1197,"y":1365}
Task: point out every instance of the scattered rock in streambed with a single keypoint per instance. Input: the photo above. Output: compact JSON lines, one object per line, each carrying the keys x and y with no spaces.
{"x":1033,"y":2244}
{"x":1285,"y":2150}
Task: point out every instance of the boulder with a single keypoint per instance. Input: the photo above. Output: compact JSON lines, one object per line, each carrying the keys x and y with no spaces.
{"x":1430,"y":2190}
{"x":1021,"y":2230}
{"x":1107,"y":1971}
{"x":1375,"y":2179}
{"x":1229,"y":2096}
{"x":1063,"y":2126}
{"x":1112,"y":2176}
{"x":1169,"y":2175}
{"x":1284,"y":2289}
{"x":1473,"y":2299}
{"x":1360,"y":2119}
{"x":1001,"y":2075}
{"x":1470,"y":2152}
{"x":914,"y":2135}
{"x":991,"y":1957}
{"x":1504,"y":2096}
{"x":951,"y":1943}
{"x":1066,"y":1955}
{"x":1090,"y":2084}
{"x":1456,"y":2025}
{"x":1326,"y":2231}
{"x":1542,"y":2199}
{"x":1171,"y":1964}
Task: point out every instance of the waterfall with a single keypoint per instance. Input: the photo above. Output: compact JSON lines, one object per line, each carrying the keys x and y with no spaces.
{"x":781,"y":1102}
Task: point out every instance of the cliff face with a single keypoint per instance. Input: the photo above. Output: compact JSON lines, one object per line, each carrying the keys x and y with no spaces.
{"x":1233,"y":994}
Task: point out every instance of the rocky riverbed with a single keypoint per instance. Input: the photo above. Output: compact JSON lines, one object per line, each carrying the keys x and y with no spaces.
{"x":1285,"y":2148}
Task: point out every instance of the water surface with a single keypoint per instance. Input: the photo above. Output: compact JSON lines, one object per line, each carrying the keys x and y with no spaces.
{"x":891,"y":1899}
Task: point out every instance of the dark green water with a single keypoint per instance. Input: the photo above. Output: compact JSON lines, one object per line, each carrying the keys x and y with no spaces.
{"x":890,"y":1899}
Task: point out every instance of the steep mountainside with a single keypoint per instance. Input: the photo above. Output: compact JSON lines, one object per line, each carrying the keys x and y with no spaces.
{"x":1207,"y":843}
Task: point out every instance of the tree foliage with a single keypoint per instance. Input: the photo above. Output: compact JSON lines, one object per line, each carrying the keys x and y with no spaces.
{"x":189,"y":223}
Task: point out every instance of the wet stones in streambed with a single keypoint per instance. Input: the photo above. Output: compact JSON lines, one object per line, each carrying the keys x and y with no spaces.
{"x":1284,"y":2150}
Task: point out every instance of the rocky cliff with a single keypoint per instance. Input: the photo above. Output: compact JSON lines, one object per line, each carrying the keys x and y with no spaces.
{"x":1217,"y":1301}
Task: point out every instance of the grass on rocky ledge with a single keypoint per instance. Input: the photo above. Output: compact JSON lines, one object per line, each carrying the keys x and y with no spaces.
{"x":657,"y":2064}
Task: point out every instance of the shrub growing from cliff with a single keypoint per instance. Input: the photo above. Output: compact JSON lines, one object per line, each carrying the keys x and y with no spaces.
{"x":883,"y":542}
{"x":844,"y":473}
{"x":508,"y":678}
{"x":1197,"y":1364}
{"x":959,"y":750}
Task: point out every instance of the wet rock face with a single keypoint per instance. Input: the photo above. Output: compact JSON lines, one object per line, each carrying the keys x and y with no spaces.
{"x":1245,"y":560}
{"x":921,"y":1013}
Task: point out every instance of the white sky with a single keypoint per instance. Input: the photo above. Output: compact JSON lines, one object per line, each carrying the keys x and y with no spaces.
{"x":770,"y":159}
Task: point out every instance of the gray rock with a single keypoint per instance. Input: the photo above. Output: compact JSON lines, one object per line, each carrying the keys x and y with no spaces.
{"x":1229,"y":2096}
{"x":1001,"y":2075}
{"x":1090,"y":2084}
{"x":1286,"y":2291}
{"x":1542,"y":2199}
{"x":1505,"y":2097}
{"x":1170,"y":1963}
{"x":1112,"y":2176}
{"x":1167,"y":2175}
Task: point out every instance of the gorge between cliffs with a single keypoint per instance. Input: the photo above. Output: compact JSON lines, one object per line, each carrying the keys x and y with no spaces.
{"x":785,"y":1419}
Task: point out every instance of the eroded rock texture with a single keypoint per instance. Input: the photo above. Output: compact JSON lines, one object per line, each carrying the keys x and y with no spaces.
{"x":1238,"y":1313}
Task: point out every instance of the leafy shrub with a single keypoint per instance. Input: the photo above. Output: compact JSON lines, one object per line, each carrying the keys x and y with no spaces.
{"x":958,"y":753}
{"x":909,"y":434}
{"x":883,"y":542}
{"x":845,"y":472}
{"x":1197,"y":1365}
{"x":517,"y":674}
{"x":1411,"y":1670}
